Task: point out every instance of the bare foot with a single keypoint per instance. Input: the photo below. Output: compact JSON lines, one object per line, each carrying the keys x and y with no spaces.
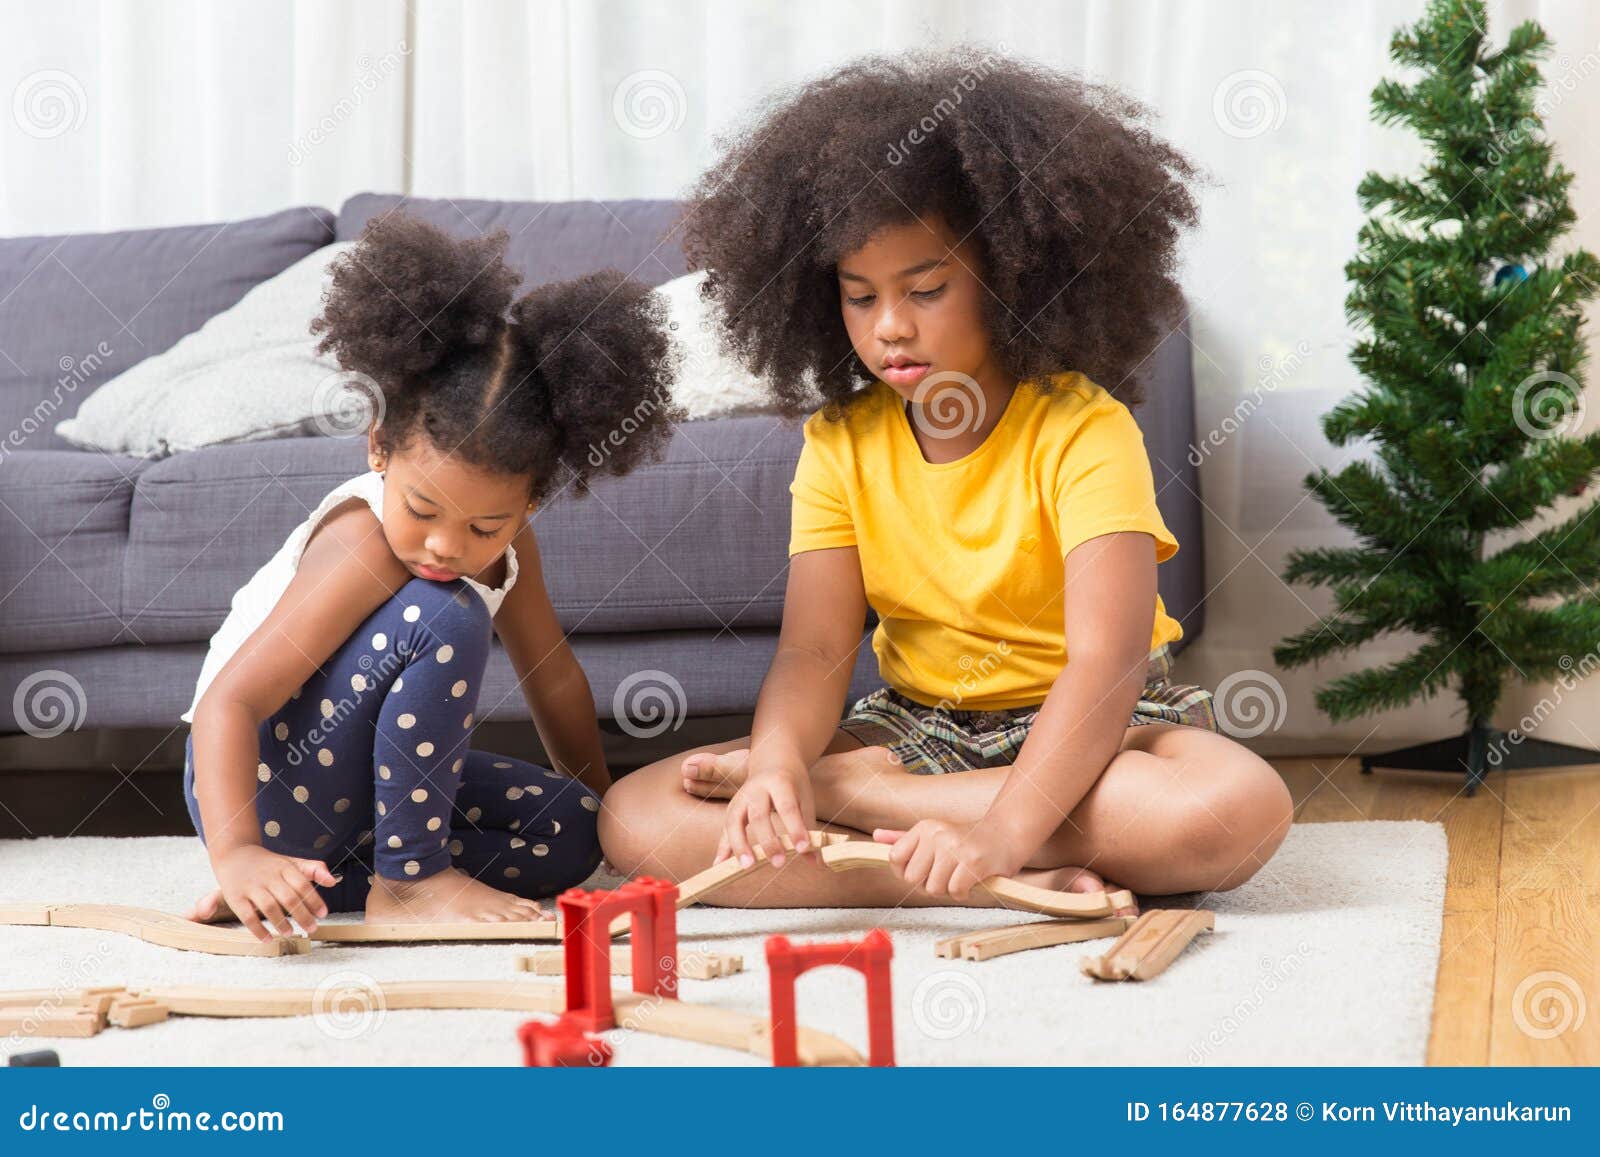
{"x":715,"y":776}
{"x":1074,"y":880}
{"x":450,"y":895}
{"x":211,"y":909}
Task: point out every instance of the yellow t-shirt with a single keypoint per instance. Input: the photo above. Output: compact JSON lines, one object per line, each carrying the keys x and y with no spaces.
{"x":964,"y":561}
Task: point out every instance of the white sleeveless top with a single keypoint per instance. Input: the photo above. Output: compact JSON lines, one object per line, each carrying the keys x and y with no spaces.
{"x":255,"y":600}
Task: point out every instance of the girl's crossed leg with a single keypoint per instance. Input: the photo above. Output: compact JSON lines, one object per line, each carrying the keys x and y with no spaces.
{"x":1178,"y":809}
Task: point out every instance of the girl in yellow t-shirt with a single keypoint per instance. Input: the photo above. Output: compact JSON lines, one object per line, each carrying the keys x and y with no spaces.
{"x":968,"y":260}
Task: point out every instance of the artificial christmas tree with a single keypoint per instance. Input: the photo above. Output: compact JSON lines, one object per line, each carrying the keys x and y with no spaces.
{"x":1471,"y":354}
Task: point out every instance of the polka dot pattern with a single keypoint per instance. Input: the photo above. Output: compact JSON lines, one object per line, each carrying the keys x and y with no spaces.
{"x":375,"y":742}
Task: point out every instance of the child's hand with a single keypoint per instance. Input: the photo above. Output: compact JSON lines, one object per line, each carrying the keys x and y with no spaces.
{"x":265,"y":888}
{"x":945,"y":859}
{"x":748,"y":822}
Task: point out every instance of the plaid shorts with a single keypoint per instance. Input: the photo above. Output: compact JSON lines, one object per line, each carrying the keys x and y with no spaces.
{"x":933,"y":740}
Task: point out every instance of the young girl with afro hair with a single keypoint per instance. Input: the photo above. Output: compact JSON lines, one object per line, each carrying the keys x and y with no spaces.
{"x":330,"y":764}
{"x":968,"y":260}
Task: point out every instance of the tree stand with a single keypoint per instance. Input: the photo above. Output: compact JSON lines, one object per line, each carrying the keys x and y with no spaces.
{"x":1478,"y":750}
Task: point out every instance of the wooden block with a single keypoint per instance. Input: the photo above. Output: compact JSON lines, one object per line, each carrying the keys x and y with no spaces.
{"x":1153,"y":942}
{"x":97,"y":1000}
{"x":709,"y":965}
{"x":24,"y":913}
{"x":137,"y":1011}
{"x":60,"y":1022}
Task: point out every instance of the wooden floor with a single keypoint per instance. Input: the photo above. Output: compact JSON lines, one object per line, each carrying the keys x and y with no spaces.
{"x":1520,"y":952}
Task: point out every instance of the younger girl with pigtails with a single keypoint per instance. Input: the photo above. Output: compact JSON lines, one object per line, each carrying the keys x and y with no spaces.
{"x":330,"y":765}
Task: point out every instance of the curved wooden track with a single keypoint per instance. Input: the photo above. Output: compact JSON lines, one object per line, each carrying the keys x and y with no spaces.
{"x":652,"y":1014}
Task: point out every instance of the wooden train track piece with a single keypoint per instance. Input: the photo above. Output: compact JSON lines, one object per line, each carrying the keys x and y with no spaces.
{"x":842,"y":854}
{"x":691,"y":965}
{"x":844,"y":857}
{"x":1152,"y":943}
{"x":653,"y":1014}
{"x":362,"y":933}
{"x":163,"y":928}
{"x":29,"y":1022}
{"x":154,"y":927}
{"x":79,"y":1012}
{"x":992,"y":942}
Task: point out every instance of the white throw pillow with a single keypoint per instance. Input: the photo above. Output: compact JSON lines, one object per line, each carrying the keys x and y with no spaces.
{"x":710,"y":383}
{"x":248,"y":374}
{"x":251,"y":373}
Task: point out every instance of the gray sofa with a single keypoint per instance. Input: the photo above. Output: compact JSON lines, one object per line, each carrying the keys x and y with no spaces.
{"x":117,"y":570}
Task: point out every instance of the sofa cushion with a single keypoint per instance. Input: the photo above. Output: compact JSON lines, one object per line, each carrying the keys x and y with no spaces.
{"x":695,"y":541}
{"x":64,"y":526}
{"x":550,"y":240}
{"x":81,"y":308}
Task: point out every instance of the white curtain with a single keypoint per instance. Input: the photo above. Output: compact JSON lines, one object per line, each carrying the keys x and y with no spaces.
{"x":125,"y":115}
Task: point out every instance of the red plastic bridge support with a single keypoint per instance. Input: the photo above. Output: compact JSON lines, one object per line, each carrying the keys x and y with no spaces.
{"x":563,"y":1044}
{"x":869,"y":956}
{"x":586,"y":944}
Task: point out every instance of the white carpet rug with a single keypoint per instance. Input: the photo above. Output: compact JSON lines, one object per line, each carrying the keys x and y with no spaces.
{"x":1326,"y":957}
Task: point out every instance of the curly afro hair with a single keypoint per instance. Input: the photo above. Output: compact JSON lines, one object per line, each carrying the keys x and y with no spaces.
{"x":532,"y":386}
{"x":1074,"y":207}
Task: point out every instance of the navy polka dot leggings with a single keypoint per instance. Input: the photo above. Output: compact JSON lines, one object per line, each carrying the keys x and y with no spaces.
{"x":368,"y":766}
